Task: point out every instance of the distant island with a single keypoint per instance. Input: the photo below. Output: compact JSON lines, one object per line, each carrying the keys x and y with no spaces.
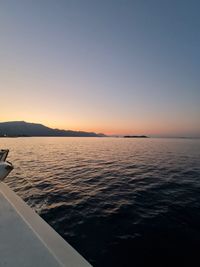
{"x":26,"y":129}
{"x":136,"y":136}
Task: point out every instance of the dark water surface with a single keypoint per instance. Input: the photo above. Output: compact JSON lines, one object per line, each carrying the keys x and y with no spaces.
{"x":119,"y":202}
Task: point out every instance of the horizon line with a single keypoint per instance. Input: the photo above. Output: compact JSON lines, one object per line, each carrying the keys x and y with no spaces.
{"x":153,"y":135}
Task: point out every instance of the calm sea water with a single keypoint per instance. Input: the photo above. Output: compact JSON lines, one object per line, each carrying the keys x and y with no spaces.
{"x":119,"y":202}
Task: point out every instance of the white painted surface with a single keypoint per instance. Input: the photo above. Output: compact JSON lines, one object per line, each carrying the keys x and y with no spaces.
{"x":5,"y":169}
{"x":28,"y":241}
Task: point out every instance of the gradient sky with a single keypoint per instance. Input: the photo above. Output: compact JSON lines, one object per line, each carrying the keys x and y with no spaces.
{"x":129,"y":67}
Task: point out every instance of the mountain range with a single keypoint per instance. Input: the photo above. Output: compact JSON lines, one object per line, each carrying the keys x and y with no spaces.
{"x":22,"y":128}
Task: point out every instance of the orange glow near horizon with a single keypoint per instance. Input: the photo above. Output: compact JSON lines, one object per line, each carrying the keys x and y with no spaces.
{"x":106,"y":127}
{"x":112,"y":80}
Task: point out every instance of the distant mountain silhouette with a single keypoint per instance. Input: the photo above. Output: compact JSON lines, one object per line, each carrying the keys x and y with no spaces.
{"x":135,"y":136}
{"x":22,"y":128}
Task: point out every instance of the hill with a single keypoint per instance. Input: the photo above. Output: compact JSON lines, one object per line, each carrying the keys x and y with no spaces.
{"x":22,"y":128}
{"x":135,"y":136}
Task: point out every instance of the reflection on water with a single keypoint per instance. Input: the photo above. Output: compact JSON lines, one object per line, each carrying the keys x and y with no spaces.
{"x":119,"y":202}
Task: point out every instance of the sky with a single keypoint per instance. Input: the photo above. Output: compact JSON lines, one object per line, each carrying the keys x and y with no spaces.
{"x":111,"y":66}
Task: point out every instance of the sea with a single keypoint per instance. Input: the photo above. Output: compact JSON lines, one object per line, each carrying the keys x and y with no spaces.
{"x":117,"y":201}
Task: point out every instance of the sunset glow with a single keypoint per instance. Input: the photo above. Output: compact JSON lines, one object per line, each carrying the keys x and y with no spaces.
{"x":109,"y":66}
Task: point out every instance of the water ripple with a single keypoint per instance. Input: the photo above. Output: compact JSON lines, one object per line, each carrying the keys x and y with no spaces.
{"x":119,"y":202}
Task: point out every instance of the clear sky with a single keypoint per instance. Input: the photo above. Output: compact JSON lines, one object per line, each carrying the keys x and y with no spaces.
{"x":129,"y":67}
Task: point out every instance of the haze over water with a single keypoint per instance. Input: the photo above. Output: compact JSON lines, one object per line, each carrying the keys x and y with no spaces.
{"x":119,"y":202}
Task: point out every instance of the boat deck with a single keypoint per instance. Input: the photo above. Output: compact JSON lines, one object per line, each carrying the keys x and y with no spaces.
{"x":26,"y":240}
